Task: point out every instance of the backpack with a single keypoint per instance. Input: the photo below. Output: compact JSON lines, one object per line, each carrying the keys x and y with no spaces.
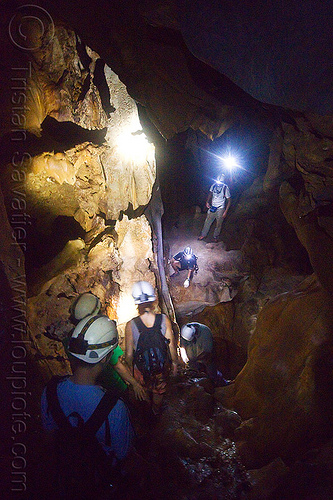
{"x":84,"y":469}
{"x":152,"y":355}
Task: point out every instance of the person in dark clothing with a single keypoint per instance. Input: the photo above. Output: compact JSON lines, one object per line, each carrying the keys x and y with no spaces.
{"x":185,"y":260}
{"x":196,"y":347}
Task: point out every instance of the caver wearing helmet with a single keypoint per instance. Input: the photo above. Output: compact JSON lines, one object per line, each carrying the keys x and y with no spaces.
{"x":218,"y":203}
{"x":185,"y":260}
{"x":188,"y":332}
{"x":196,"y":346}
{"x":78,"y":397}
{"x":196,"y":337}
{"x":149,"y":344}
{"x":93,"y":338}
{"x":220,"y":179}
{"x":143,"y":292}
{"x":188,"y":251}
{"x":87,"y":304}
{"x":197,"y":351}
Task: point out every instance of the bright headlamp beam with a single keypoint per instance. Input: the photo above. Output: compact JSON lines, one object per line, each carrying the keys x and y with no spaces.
{"x":133,"y":145}
{"x":184,"y":355}
{"x":230,"y":162}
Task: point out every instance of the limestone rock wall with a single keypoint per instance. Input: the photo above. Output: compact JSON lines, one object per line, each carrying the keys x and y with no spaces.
{"x":58,"y":78}
{"x":284,"y":389}
{"x":108,"y":269}
{"x":88,"y":178}
{"x":94,"y":182}
{"x":91,"y":184}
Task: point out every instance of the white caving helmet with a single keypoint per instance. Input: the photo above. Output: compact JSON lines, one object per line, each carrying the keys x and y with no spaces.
{"x":220,"y":179}
{"x":142,"y":292}
{"x":87,"y":304}
{"x":188,"y":251}
{"x":188,"y":331}
{"x":93,"y":338}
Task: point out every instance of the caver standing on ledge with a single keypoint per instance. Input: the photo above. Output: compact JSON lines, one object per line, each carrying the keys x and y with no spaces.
{"x":218,"y":203}
{"x":116,"y":374}
{"x":150,"y":348}
{"x":185,"y":260}
{"x":197,"y":351}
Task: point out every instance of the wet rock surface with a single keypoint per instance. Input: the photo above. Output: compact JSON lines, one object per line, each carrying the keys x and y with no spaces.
{"x":220,"y":271}
{"x":188,"y":456}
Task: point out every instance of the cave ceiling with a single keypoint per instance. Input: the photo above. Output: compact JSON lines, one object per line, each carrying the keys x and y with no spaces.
{"x":259,"y":54}
{"x":205,"y":66}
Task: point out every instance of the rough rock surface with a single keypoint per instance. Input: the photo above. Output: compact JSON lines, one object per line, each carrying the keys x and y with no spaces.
{"x":87,"y":179}
{"x":219,"y":272}
{"x":252,"y":263}
{"x":107,"y":269}
{"x":92,"y":183}
{"x":285,"y":385}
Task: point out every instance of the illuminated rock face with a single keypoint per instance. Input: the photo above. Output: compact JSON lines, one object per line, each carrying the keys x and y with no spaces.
{"x":87,"y":178}
{"x":136,"y":257}
{"x":219,"y":270}
{"x":284,"y":388}
{"x":74,"y":271}
{"x":92,"y":182}
{"x":108,"y":270}
{"x":58,"y":76}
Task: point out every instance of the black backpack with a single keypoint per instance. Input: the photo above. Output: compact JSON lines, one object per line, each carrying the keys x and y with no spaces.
{"x":84,"y":470}
{"x":152,"y":355}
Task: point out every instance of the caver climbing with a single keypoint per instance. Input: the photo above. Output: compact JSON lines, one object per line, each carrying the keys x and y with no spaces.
{"x":185,"y":260}
{"x":150,"y":348}
{"x":197,"y":351}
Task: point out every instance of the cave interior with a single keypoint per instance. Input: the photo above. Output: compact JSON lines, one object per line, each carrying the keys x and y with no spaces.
{"x":116,"y":119}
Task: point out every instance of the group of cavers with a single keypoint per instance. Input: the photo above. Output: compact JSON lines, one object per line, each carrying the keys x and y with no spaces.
{"x":218,"y":203}
{"x":85,"y":416}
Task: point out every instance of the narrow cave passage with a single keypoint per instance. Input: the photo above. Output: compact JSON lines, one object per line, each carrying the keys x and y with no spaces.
{"x":113,"y":115}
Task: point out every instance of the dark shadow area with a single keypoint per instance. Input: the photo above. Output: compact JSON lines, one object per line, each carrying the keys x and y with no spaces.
{"x":306,"y":481}
{"x":81,"y":50}
{"x":41,"y":248}
{"x":56,"y":137}
{"x":6,"y":323}
{"x":103,"y":88}
{"x":68,"y":135}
